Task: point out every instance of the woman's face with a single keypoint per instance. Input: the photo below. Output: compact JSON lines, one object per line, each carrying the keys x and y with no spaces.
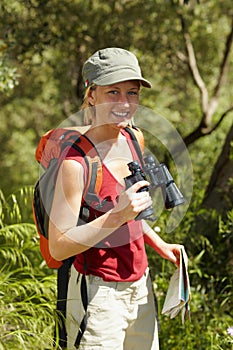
{"x":116,"y":103}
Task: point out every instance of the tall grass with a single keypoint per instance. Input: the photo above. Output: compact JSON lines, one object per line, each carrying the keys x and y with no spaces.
{"x":28,"y":288}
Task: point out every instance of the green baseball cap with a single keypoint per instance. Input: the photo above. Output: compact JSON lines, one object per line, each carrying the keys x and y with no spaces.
{"x":112,"y":65}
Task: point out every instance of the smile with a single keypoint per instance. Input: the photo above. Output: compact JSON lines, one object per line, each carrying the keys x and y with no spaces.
{"x":121,"y":114}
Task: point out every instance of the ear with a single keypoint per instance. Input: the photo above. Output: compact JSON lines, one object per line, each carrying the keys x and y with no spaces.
{"x":91,"y":97}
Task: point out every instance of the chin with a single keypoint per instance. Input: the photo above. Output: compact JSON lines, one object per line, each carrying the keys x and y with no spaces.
{"x":122,"y":125}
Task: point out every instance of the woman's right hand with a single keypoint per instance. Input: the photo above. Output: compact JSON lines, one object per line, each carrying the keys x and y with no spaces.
{"x":131,"y":202}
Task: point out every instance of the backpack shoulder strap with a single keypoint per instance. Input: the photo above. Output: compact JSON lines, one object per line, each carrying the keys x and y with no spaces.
{"x":87,"y":149}
{"x":55,"y":141}
{"x":136,"y":135}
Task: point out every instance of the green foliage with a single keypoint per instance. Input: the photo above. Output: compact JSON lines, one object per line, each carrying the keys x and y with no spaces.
{"x":47,"y":42}
{"x":208,"y":238}
{"x":43,"y":45}
{"x":8,"y":74}
{"x":28,"y":288}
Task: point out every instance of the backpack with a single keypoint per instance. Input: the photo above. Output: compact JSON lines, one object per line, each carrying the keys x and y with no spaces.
{"x":48,"y":155}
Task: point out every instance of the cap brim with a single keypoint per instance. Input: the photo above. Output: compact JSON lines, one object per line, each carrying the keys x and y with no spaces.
{"x":118,"y":77}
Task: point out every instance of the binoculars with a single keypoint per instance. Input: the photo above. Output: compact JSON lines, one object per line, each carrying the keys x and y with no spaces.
{"x":159,"y":176}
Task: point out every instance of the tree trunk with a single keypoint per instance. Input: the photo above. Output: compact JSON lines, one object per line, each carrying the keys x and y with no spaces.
{"x":219,"y":193}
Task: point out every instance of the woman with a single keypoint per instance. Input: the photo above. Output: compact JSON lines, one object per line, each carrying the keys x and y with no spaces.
{"x":110,"y":250}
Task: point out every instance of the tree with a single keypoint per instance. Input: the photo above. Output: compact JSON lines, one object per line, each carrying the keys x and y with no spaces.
{"x":185,"y":49}
{"x":219,"y":193}
{"x":208,"y":105}
{"x":8,"y":73}
{"x":48,"y":42}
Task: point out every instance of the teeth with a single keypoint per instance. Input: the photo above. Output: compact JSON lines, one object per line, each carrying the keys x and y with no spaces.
{"x":121,"y":114}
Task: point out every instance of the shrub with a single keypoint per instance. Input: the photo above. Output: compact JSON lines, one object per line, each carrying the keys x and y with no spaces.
{"x":28,"y":288}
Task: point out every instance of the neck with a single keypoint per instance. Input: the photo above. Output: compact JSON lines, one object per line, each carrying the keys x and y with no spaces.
{"x":107,"y":140}
{"x":103,"y":133}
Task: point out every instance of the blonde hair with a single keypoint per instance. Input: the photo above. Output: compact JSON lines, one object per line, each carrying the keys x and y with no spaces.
{"x":87,"y":108}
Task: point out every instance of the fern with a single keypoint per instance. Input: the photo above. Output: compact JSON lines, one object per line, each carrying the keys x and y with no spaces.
{"x":28,"y":288}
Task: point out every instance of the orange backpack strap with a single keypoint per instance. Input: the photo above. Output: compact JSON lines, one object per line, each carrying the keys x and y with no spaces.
{"x":94,"y":179}
{"x":53,"y":143}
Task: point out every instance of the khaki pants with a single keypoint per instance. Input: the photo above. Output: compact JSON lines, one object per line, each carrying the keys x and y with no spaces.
{"x":120,"y":315}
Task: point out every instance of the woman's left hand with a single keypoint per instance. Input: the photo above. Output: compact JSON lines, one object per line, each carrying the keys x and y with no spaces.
{"x":165,"y":250}
{"x":172,"y":252}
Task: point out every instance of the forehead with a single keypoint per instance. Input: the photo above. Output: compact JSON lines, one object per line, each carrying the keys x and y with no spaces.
{"x":129,"y":84}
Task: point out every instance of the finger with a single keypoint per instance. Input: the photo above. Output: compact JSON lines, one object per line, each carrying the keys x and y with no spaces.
{"x":140,"y":197}
{"x":141,"y":202}
{"x":135,"y":187}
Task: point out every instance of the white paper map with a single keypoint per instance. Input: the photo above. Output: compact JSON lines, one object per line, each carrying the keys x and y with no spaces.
{"x":178,"y":293}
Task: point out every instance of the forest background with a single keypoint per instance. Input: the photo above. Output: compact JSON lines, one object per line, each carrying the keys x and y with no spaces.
{"x":185,"y":50}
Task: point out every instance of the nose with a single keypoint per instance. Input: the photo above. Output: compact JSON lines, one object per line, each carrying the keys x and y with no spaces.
{"x":124,"y":99}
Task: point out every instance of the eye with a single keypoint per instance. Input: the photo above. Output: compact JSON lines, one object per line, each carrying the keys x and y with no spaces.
{"x":113,"y":92}
{"x":133,"y":93}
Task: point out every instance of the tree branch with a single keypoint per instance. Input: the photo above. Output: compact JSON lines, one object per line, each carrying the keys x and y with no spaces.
{"x":219,"y":185}
{"x":224,"y":64}
{"x":192,"y":63}
{"x":208,"y":106}
{"x":213,"y":104}
{"x":200,"y":131}
{"x":221,"y":119}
